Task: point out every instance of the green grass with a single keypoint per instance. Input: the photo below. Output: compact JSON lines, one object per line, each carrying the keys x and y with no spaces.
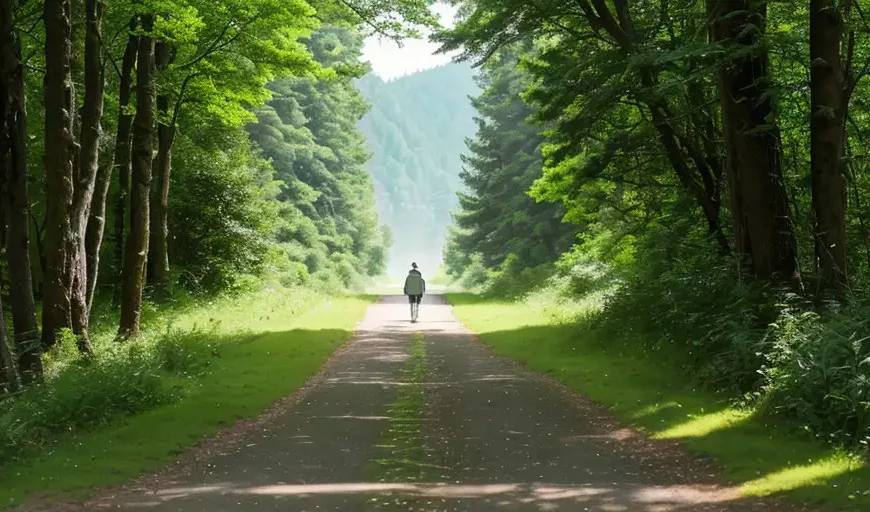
{"x":760,"y":456}
{"x":269,"y":345}
{"x":403,"y":440}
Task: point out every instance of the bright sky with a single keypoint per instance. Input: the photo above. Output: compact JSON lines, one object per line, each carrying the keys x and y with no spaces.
{"x":391,"y":61}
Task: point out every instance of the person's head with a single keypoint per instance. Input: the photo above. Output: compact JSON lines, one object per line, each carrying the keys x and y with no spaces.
{"x":414,"y":266}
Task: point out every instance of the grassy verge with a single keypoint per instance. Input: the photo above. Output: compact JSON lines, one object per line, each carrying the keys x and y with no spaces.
{"x":266,"y":347}
{"x":759,"y":456}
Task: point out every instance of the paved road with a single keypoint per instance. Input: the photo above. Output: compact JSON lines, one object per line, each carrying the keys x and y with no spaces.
{"x":421,"y":417}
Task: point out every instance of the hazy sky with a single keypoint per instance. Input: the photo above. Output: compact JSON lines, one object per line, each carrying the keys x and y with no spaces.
{"x":390,"y":61}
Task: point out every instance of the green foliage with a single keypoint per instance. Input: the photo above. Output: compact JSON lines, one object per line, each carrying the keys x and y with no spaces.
{"x":514,"y":279}
{"x":229,"y":235}
{"x":120,"y":380}
{"x":474,"y":274}
{"x":816,"y":372}
{"x":497,"y":219}
{"x":308,"y":132}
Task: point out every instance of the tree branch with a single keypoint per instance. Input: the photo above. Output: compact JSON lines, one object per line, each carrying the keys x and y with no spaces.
{"x":217,"y":45}
{"x":176,"y":110}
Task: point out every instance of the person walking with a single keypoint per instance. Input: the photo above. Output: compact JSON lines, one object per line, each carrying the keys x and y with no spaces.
{"x":415,"y":287}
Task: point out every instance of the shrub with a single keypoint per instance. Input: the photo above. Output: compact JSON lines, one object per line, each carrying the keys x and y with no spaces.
{"x":475,"y":274}
{"x":120,"y":380}
{"x":513,"y":280}
{"x":817,"y":373}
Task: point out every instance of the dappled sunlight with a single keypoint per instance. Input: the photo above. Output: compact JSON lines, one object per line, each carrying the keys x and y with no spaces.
{"x":650,"y":410}
{"x":804,"y":475}
{"x":537,"y":496}
{"x":704,"y":424}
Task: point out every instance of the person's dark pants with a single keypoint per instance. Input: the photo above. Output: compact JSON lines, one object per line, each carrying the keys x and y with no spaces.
{"x":415,"y":299}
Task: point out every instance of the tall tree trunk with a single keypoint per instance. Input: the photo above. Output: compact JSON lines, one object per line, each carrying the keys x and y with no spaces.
{"x":827,"y":142}
{"x":97,"y":208}
{"x":60,"y":155}
{"x":158,"y":258}
{"x":13,"y":161}
{"x":133,"y":279}
{"x":95,"y":230}
{"x":122,"y":153}
{"x":760,"y":202}
{"x":88,"y":166}
{"x":160,"y":209}
{"x":9,"y":126}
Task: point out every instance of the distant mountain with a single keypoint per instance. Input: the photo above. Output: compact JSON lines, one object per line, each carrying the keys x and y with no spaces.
{"x":416,"y":131}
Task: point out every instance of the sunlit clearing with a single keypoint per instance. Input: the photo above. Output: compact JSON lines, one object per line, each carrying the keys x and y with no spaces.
{"x":705,"y":424}
{"x":801,"y":476}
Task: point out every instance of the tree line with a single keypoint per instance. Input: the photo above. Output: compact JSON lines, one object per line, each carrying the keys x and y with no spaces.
{"x":126,"y":168}
{"x":755,"y":109}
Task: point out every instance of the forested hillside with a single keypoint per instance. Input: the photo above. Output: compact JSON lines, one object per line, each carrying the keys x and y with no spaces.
{"x":712,"y":160}
{"x":416,"y":131}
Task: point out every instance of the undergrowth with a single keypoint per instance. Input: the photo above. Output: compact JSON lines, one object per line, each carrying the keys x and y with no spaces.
{"x":119,"y":380}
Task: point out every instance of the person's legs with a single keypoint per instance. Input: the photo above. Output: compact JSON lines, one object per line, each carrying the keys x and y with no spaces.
{"x":415,"y":305}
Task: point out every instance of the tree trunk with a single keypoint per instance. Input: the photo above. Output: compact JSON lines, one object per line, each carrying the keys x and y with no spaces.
{"x":122,"y":153}
{"x":827,"y":142}
{"x":761,"y":208}
{"x":97,"y":220}
{"x":158,"y":258}
{"x":96,"y":227}
{"x":60,"y":154}
{"x":133,"y":279}
{"x":13,"y":161}
{"x":8,"y":374}
{"x":160,"y":209}
{"x":10,"y":108}
{"x":88,"y":166}
{"x":706,"y":189}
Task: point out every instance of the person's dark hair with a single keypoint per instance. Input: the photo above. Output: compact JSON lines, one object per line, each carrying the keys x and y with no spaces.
{"x":413,"y":265}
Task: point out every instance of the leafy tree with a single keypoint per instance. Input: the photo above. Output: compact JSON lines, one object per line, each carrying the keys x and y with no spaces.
{"x":638,"y":86}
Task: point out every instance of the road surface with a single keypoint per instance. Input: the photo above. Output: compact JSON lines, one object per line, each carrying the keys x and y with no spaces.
{"x":422,"y":417}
